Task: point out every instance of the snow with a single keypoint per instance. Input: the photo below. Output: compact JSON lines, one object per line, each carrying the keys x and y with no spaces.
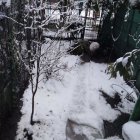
{"x":131,"y":130}
{"x":125,"y":61}
{"x":119,"y":60}
{"x":55,"y":15}
{"x":8,"y":2}
{"x":89,"y":15}
{"x":76,"y":97}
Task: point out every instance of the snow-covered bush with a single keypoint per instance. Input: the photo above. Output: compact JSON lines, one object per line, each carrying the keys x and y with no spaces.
{"x":125,"y":65}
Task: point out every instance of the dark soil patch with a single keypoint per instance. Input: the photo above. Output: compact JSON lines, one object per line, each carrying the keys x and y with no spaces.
{"x":113,"y":101}
{"x":114,"y":128}
{"x":104,"y":55}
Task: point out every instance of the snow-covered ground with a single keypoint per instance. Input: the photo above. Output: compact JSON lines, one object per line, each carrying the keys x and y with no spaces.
{"x":77,"y":98}
{"x":8,"y":2}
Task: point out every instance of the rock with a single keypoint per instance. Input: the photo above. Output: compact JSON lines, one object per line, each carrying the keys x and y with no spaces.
{"x":75,"y":131}
{"x":94,"y":46}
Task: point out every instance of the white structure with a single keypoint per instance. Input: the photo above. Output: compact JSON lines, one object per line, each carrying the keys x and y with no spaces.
{"x":131,"y":130}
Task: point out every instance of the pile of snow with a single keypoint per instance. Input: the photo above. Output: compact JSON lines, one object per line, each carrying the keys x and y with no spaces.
{"x":131,"y":130}
{"x":76,"y":97}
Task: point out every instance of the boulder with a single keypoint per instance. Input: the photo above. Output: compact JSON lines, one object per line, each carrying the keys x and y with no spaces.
{"x":86,"y":49}
{"x":94,"y":46}
{"x":76,"y":131}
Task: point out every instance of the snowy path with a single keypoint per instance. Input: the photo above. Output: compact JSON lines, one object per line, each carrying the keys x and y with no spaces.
{"x":77,"y":98}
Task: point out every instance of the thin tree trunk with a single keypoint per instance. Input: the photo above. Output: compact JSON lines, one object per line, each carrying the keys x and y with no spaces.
{"x":36,"y":86}
{"x":32,"y":113}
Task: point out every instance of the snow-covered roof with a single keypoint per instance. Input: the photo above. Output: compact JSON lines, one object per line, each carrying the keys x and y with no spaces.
{"x":8,"y":2}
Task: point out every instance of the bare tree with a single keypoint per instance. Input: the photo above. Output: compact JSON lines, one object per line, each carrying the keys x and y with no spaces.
{"x":41,"y":57}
